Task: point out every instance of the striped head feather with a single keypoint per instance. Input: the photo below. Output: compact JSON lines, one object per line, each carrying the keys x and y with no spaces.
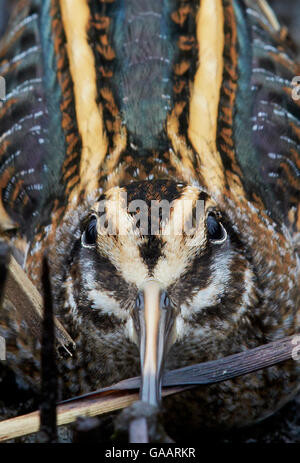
{"x":195,"y":257}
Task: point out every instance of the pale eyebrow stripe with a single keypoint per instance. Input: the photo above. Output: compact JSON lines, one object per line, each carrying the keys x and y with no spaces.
{"x":205,"y":93}
{"x":75,"y":16}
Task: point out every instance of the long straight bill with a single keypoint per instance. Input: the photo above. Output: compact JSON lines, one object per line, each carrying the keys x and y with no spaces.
{"x":155,"y":325}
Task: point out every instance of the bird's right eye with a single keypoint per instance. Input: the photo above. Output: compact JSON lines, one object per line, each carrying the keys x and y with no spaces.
{"x":89,"y":236}
{"x":215,"y":230}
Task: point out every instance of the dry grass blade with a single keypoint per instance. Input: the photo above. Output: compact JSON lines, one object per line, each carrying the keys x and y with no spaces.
{"x":235,"y":365}
{"x":68,"y":413}
{"x":21,"y":292}
{"x":214,"y":371}
{"x":124,"y":393}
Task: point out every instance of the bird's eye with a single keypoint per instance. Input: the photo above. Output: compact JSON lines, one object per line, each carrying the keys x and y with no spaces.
{"x":215,"y":230}
{"x":89,"y":236}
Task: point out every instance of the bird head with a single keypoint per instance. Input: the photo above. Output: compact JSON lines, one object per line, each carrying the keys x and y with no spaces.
{"x":163,"y":262}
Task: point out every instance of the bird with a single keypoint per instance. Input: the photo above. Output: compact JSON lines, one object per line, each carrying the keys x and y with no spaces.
{"x":118,"y":111}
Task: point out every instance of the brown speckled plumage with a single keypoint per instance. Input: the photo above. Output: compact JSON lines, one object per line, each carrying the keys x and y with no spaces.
{"x":227,"y":133}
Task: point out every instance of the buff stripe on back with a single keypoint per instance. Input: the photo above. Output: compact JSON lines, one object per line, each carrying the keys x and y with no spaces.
{"x":75,"y":14}
{"x":205,"y":96}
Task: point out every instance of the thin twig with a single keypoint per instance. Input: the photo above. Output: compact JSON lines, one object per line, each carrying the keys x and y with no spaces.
{"x":69,"y":412}
{"x":48,"y":365}
{"x":4,"y":257}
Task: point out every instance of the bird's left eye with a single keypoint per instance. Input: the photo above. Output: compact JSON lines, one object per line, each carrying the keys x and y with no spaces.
{"x":215,"y":230}
{"x":89,"y":236}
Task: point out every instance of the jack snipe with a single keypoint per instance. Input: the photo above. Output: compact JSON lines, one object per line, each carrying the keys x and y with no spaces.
{"x":157,"y":101}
